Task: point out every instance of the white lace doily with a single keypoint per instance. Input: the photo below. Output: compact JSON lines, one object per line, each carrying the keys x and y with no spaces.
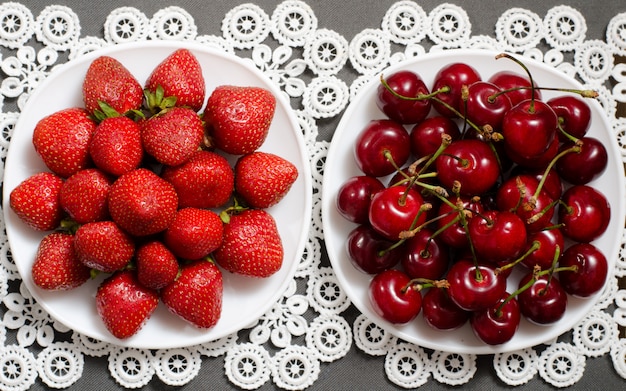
{"x":305,"y":61}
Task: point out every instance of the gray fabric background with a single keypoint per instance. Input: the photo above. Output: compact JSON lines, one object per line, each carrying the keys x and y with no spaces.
{"x":356,"y":371}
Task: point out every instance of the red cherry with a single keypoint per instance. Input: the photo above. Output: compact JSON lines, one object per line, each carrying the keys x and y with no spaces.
{"x":455,"y":235}
{"x":552,"y":185}
{"x":474,"y":288}
{"x":544,"y":302}
{"x":454,"y":76}
{"x":369,"y":252}
{"x":585,"y":213}
{"x":470,"y":162}
{"x":483,"y":106}
{"x":497,"y":236}
{"x":519,"y":194}
{"x":549,"y":240}
{"x":405,"y":111}
{"x":395,"y":209}
{"x":425,"y":256}
{"x":354,"y":197}
{"x":511,"y":82}
{"x":529,"y":129}
{"x":380,"y":144}
{"x":573,"y":113}
{"x":592,"y":270}
{"x":440,"y":312}
{"x":393,"y":297}
{"x":426,"y":135}
{"x":540,"y":161}
{"x":497,"y":324}
{"x":579,"y":168}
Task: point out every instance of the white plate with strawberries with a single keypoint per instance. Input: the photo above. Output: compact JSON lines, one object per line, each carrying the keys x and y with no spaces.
{"x":244,"y":298}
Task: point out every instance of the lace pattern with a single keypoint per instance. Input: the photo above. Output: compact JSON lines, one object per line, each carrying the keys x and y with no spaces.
{"x":287,"y":346}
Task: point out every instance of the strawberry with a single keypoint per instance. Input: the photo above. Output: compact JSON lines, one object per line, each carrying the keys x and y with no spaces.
{"x":109,"y":81}
{"x":84,"y":196}
{"x":196,"y":295}
{"x":56,"y":266}
{"x":103,"y":246}
{"x":206,"y":180}
{"x":194,"y":233}
{"x":173,"y":135}
{"x":180,"y":76}
{"x":116,"y":145}
{"x":124,"y":305}
{"x":263,"y":179}
{"x":238,"y":118}
{"x":156,"y":265}
{"x":62,"y":140}
{"x":142,"y":203}
{"x":252,"y":245}
{"x":36,"y":201}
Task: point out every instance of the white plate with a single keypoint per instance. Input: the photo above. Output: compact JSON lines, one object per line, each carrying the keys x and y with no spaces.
{"x":340,"y":166}
{"x":245,"y":299}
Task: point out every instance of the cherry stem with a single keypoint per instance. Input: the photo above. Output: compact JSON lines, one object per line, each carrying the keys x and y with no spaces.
{"x":581,"y":93}
{"x":535,"y":246}
{"x":530,"y":78}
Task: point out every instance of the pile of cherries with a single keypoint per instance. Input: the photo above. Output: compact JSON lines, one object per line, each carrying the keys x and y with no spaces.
{"x":466,"y":181}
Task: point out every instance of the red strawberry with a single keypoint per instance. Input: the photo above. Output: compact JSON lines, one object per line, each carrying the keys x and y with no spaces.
{"x":36,"y":201}
{"x":180,"y":75}
{"x":116,"y":145}
{"x":206,"y":180}
{"x":196,"y":295}
{"x":62,"y":140}
{"x":173,"y":135}
{"x":103,"y":246}
{"x":252,"y":245}
{"x":263,"y":179}
{"x":84,"y":196}
{"x":142,"y":203}
{"x":156,"y":265}
{"x":238,"y":118}
{"x":56,"y":266}
{"x":108,"y":81}
{"x":124,"y":305}
{"x":194,"y":233}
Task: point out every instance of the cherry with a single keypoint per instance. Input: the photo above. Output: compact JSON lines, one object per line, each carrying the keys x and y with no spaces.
{"x":497,"y":236}
{"x":516,"y":86}
{"x":544,"y":301}
{"x":484,"y":106}
{"x":521,"y":194}
{"x":405,"y":84}
{"x":474,"y":287}
{"x":396,"y":209}
{"x":549,"y":240}
{"x":369,"y":252}
{"x":440,"y":312}
{"x":579,"y":168}
{"x":529,"y":129}
{"x":426,"y":135}
{"x":497,"y":324}
{"x":454,"y":234}
{"x":591,"y":273}
{"x":394,"y":297}
{"x":354,"y":197}
{"x":584,"y":213}
{"x":425,"y":256}
{"x":541,"y":161}
{"x":471,"y":163}
{"x":453,"y":76}
{"x":552,"y":185}
{"x":381,"y":147}
{"x":573,"y":113}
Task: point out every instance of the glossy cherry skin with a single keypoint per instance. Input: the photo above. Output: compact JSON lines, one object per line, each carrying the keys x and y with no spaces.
{"x":510,"y":82}
{"x":474,"y":291}
{"x":544,"y":302}
{"x":497,"y":236}
{"x":484,"y":106}
{"x":497,"y":325}
{"x":426,"y":135}
{"x":378,"y":138}
{"x":549,"y":240}
{"x":585,"y":213}
{"x":519,"y":194}
{"x":579,"y":168}
{"x":392,"y":298}
{"x":354,"y":197}
{"x":470,"y":162}
{"x":369,"y":252}
{"x":592,"y":270}
{"x":394,"y":210}
{"x":405,"y":111}
{"x":454,"y":76}
{"x":440,"y":312}
{"x":425,"y":256}
{"x":540,"y":161}
{"x":455,"y":235}
{"x":573,"y":113}
{"x":529,"y":128}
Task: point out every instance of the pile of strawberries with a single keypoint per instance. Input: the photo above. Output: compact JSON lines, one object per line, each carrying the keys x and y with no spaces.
{"x":139,"y":187}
